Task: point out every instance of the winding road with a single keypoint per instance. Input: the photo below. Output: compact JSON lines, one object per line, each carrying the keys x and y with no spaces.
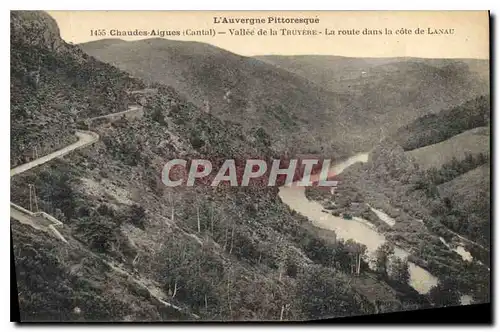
{"x":45,"y":222}
{"x":118,"y":114}
{"x":294,"y":196}
{"x":42,"y":220}
{"x":84,"y":138}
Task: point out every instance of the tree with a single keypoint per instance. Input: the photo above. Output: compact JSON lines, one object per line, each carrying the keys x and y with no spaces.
{"x":382,"y":256}
{"x":158,"y":116}
{"x":356,"y":252}
{"x":263,"y":137}
{"x":400,"y":270}
{"x":56,"y":187}
{"x":291,"y":268}
{"x":137,"y":216}
{"x":324,"y":294}
{"x":281,"y":256}
{"x":482,"y":158}
{"x":341,"y":256}
{"x":196,"y":141}
{"x":469,"y":161}
{"x":100,"y":233}
{"x":444,"y":294}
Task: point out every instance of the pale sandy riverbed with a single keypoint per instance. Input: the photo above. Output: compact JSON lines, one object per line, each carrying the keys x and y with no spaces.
{"x":357,"y":229}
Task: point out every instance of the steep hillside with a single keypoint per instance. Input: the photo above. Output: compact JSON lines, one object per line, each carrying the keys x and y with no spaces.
{"x":393,"y":90}
{"x":470,"y":142}
{"x":61,"y":283}
{"x":467,"y":199}
{"x":435,"y":128}
{"x":138,"y":250}
{"x":329,"y":71}
{"x":444,"y":197}
{"x":297,"y":99}
{"x":295,"y":113}
{"x":50,"y":77}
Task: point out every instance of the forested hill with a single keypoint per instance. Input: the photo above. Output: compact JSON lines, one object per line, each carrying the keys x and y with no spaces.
{"x":138,"y":250}
{"x":470,"y":76}
{"x":53,"y":84}
{"x":443,"y":151}
{"x":435,"y":128}
{"x":431,"y":202}
{"x":295,"y":113}
{"x":392,"y":91}
{"x":308,"y":104}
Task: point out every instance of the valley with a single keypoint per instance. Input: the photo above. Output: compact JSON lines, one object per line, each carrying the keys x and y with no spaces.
{"x":406,"y":228}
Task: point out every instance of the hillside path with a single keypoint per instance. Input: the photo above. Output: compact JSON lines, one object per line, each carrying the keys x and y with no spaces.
{"x":84,"y":138}
{"x":38,"y":221}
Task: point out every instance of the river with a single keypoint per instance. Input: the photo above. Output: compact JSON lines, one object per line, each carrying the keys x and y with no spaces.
{"x":359,"y":230}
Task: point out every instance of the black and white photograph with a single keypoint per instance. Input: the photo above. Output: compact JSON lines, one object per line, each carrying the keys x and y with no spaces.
{"x":249,"y":166}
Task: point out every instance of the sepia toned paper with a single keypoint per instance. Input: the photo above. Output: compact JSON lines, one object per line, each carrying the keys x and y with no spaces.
{"x":469,"y":38}
{"x":249,"y":165}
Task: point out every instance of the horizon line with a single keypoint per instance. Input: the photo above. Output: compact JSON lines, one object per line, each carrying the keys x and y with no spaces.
{"x":280,"y":54}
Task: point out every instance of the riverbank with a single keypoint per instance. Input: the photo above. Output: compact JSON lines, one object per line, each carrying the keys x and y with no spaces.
{"x":357,"y":229}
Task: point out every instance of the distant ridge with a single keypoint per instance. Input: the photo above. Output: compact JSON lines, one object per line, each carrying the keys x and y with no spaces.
{"x":364,"y":99}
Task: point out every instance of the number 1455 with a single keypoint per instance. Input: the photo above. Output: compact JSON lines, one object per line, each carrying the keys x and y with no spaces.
{"x":98,"y":33}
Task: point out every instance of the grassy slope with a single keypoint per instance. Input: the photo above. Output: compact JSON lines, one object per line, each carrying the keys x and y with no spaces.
{"x":473,"y":142}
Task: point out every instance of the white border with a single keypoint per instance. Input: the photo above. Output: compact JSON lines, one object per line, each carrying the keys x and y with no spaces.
{"x":184,"y":5}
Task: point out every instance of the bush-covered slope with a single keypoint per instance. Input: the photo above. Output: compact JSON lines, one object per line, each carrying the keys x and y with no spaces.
{"x":467,"y":201}
{"x":392,"y":92}
{"x":435,"y":128}
{"x":54,"y":83}
{"x":429,"y":203}
{"x":294,"y":112}
{"x":471,"y":142}
{"x":218,"y":253}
